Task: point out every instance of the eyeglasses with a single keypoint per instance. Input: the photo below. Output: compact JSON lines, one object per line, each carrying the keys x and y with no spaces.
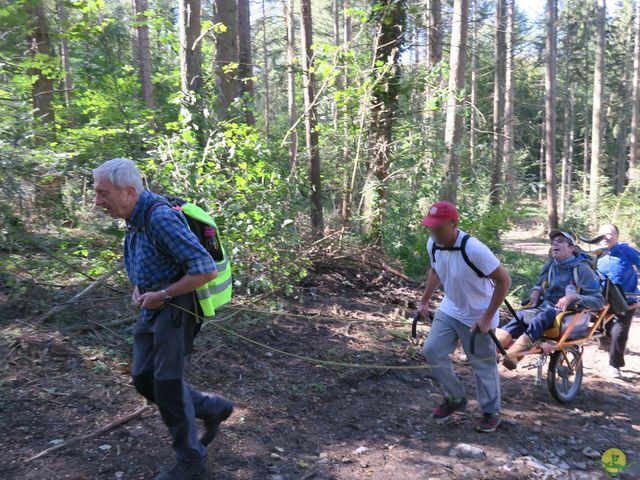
{"x":558,"y":241}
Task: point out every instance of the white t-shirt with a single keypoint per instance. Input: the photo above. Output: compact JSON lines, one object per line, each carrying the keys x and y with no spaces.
{"x":467,"y":296}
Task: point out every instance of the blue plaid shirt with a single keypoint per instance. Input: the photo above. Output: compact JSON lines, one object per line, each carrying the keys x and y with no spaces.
{"x":176,"y":252}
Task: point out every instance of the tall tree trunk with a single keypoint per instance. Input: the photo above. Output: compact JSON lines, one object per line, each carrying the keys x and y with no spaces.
{"x":335,"y":5}
{"x":510,"y":170}
{"x":143,"y":53}
{"x":288,"y":6}
{"x":434,"y":25}
{"x":541,"y":169}
{"x":227,"y":55}
{"x":66,"y":63}
{"x":190,"y":51}
{"x":635,"y":106}
{"x":474,"y":83}
{"x":550,"y":114}
{"x":498,"y":103}
{"x":42,"y":88}
{"x":310,"y":118}
{"x":191,"y":65}
{"x":622,"y":118}
{"x":245,"y":58}
{"x":621,"y":151}
{"x":454,"y":120}
{"x":265,"y":70}
{"x":567,"y":151}
{"x":434,"y":56}
{"x":390,"y":20}
{"x":345,"y":204}
{"x":596,"y":123}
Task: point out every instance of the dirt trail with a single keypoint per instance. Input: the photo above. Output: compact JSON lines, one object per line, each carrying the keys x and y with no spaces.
{"x":296,"y":420}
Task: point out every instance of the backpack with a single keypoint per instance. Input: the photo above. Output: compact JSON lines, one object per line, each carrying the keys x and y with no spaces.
{"x":218,"y":291}
{"x":463,"y":250}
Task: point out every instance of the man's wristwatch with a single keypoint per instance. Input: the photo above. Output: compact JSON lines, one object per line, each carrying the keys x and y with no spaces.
{"x":165,"y":296}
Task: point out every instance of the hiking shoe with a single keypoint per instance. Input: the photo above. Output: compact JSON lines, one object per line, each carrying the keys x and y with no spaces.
{"x":615,"y":372}
{"x":212,"y":422}
{"x":186,"y":471}
{"x":489,"y":423}
{"x":448,"y":408}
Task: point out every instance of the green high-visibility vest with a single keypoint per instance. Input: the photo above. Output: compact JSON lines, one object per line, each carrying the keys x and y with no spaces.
{"x":217,"y":292}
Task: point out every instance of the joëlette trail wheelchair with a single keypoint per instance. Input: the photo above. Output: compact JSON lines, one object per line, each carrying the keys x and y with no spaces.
{"x":570,"y":332}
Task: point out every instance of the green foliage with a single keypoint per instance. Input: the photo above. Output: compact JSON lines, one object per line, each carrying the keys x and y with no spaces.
{"x":235,"y":179}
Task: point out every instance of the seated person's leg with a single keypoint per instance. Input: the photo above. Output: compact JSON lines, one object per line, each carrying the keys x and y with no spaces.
{"x":511,"y":331}
{"x":543,"y":320}
{"x":515,"y":327}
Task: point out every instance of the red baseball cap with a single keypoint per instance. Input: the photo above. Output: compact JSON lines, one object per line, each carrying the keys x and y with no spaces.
{"x":439,"y":213}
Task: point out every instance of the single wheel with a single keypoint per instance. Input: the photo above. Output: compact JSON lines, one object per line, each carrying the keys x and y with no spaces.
{"x":564,"y":382}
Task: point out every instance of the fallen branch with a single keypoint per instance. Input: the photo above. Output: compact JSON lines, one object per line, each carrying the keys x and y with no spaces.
{"x":388,"y":269}
{"x":106,"y":428}
{"x":367,"y":258}
{"x":103,"y":278}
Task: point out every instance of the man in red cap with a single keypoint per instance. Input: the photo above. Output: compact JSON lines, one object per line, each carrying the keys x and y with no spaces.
{"x":475,"y":285}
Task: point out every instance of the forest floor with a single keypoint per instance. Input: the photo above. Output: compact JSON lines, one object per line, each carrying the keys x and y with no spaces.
{"x":295,"y":419}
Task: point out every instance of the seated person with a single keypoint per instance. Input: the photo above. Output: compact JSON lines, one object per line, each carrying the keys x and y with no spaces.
{"x":572,"y":285}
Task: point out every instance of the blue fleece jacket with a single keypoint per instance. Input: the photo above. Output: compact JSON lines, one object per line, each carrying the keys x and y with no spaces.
{"x":588,"y":284}
{"x":618,"y":266}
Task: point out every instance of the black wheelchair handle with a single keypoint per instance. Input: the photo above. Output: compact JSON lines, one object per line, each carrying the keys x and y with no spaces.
{"x":414,"y":325}
{"x":492,"y":334}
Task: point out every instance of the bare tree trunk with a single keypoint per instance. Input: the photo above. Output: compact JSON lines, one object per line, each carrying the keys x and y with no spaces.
{"x":265,"y":70}
{"x":550,"y":114}
{"x":190,"y":56}
{"x":310,"y":119}
{"x":474,"y":84}
{"x":635,"y":105}
{"x":64,"y":50}
{"x":42,"y":88}
{"x":291,"y":83}
{"x":143,"y":54}
{"x":498,"y":104}
{"x":434,"y":25}
{"x":510,"y":170}
{"x":345,"y":205}
{"x":245,"y":58}
{"x":191,"y":65}
{"x":585,"y":131}
{"x":622,"y":119}
{"x":596,"y":125}
{"x":541,"y":170}
{"x":567,"y":152}
{"x":621,"y":154}
{"x":227,"y":54}
{"x":434,"y":56}
{"x":335,"y":4}
{"x":454,"y":120}
{"x":390,"y":21}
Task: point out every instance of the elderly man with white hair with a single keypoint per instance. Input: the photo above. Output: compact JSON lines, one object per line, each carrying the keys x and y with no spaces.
{"x":166,"y":263}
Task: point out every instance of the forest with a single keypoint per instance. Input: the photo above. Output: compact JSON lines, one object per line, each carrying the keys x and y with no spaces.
{"x":291,"y":120}
{"x":317,"y":134}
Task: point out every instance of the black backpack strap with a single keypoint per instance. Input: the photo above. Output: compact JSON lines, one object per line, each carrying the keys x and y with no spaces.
{"x":463,"y":251}
{"x":147,"y":223}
